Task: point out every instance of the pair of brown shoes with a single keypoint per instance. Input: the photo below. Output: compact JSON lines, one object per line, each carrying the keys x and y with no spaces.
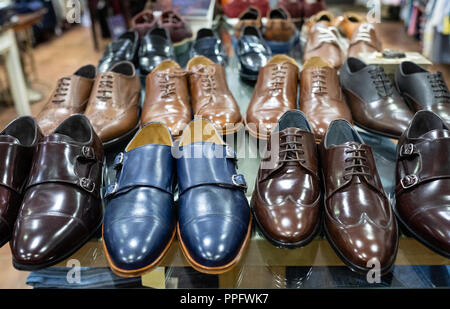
{"x":324,"y":37}
{"x":110,"y":100}
{"x":321,"y":98}
{"x":171,"y":91}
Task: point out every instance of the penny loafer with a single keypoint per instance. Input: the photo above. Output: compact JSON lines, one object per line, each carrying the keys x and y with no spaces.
{"x":62,"y":205}
{"x":139,"y":223}
{"x":18,"y":142}
{"x":286,"y":198}
{"x":423,"y":181}
{"x":214,"y":217}
{"x":125,"y":48}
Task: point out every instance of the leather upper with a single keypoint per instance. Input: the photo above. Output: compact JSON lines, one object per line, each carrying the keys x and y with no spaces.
{"x":140,"y":215}
{"x":287,"y":189}
{"x":252,"y":51}
{"x":70,"y":97}
{"x":295,"y":8}
{"x":210,"y":96}
{"x":208,"y":44}
{"x":113,"y":106}
{"x":234,"y":8}
{"x":348,"y":23}
{"x":156,"y":47}
{"x":358,"y":217}
{"x":275,"y":93}
{"x":374,"y":102}
{"x":125,"y":48}
{"x":279,"y":26}
{"x":143,"y":22}
{"x":18,"y":142}
{"x":423,"y":89}
{"x":250,"y":17}
{"x":214,"y":215}
{"x":364,"y":40}
{"x":62,"y":205}
{"x":167,"y":97}
{"x":178,"y":28}
{"x":423,"y":180}
{"x":321,"y":98}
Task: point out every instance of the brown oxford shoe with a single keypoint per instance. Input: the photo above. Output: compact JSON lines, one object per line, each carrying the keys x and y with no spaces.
{"x":18,"y":142}
{"x":70,"y":97}
{"x":275,"y":93}
{"x":286,"y":198}
{"x":210,"y":96}
{"x":321,"y":98}
{"x":364,"y":40}
{"x":62,"y":204}
{"x":167,"y":97}
{"x":113,"y":106}
{"x":423,"y":181}
{"x":359,"y":222}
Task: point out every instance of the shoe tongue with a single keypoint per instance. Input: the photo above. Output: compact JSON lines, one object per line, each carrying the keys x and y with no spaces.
{"x":57,"y":137}
{"x":9,"y":139}
{"x":434,"y":134}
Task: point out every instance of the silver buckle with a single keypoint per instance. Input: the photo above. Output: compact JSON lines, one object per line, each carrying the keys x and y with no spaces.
{"x":236,"y":183}
{"x":119,"y":161}
{"x":88,"y":152}
{"x":406,"y":150}
{"x":409,"y":181}
{"x":87,"y":184}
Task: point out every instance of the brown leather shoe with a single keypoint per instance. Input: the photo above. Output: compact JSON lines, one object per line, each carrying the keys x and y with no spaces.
{"x":275,"y":93}
{"x":364,"y":40}
{"x":423,"y":181}
{"x":279,"y":26}
{"x":62,"y":204}
{"x":323,"y":17}
{"x":321,"y":98}
{"x":349,"y":22}
{"x":286,"y":198}
{"x":69,"y":97}
{"x":114,"y":103}
{"x":180,"y":31}
{"x":359,"y":222}
{"x":324,"y":42}
{"x":250,"y":17}
{"x":211,"y":98}
{"x":167,"y":97}
{"x":143,"y":22}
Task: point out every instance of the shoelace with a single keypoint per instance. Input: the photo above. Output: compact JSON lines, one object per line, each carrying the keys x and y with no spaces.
{"x":278,"y":77}
{"x":319,"y":82}
{"x":330,"y":35}
{"x":291,"y":150}
{"x":358,"y":164}
{"x":381,"y":81}
{"x":104,"y":91}
{"x":438,"y":86}
{"x":61,"y":90}
{"x":167,"y":83}
{"x":207,"y":78}
{"x":363,"y":33}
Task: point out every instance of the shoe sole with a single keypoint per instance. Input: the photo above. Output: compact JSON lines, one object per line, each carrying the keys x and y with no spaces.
{"x":417,"y":236}
{"x":284,"y":245}
{"x":219,"y":269}
{"x":140,"y":271}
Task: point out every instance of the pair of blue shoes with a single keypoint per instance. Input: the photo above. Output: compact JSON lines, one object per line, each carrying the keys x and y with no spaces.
{"x":214,"y":221}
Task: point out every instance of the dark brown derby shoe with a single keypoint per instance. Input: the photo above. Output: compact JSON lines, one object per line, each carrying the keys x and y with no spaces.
{"x":18,"y":142}
{"x":62,"y":205}
{"x":286,"y":198}
{"x":359,"y":222}
{"x":423,"y":181}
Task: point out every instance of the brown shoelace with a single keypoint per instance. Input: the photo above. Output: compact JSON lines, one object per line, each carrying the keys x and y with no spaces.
{"x":319,"y":82}
{"x":105,"y":87}
{"x":61,"y":90}
{"x":167,"y":82}
{"x":358,"y":166}
{"x":278,"y":77}
{"x":291,"y":150}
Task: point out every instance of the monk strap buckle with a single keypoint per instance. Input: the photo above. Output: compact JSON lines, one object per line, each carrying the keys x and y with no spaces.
{"x":88,"y":152}
{"x":118,"y":161}
{"x":87,"y":184}
{"x":406,"y":150}
{"x":409,"y":181}
{"x":239,"y":181}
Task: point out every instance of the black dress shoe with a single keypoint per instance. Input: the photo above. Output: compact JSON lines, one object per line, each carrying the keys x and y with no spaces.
{"x":156,"y":46}
{"x":208,"y":44}
{"x":423,"y":90}
{"x":252,"y":52}
{"x":124,"y":48}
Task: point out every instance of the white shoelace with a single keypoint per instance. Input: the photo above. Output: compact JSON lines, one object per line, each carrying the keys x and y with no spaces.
{"x":363,"y":33}
{"x":331,"y":35}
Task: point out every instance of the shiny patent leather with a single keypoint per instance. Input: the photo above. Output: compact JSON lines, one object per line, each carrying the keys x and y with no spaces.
{"x":286,"y":198}
{"x":140,"y":213}
{"x":252,"y":52}
{"x":125,"y":48}
{"x":423,"y":181}
{"x":156,"y":46}
{"x":375,"y":104}
{"x":214,"y":216}
{"x":62,"y":206}
{"x":359,"y":222}
{"x":208,"y":44}
{"x":18,"y":142}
